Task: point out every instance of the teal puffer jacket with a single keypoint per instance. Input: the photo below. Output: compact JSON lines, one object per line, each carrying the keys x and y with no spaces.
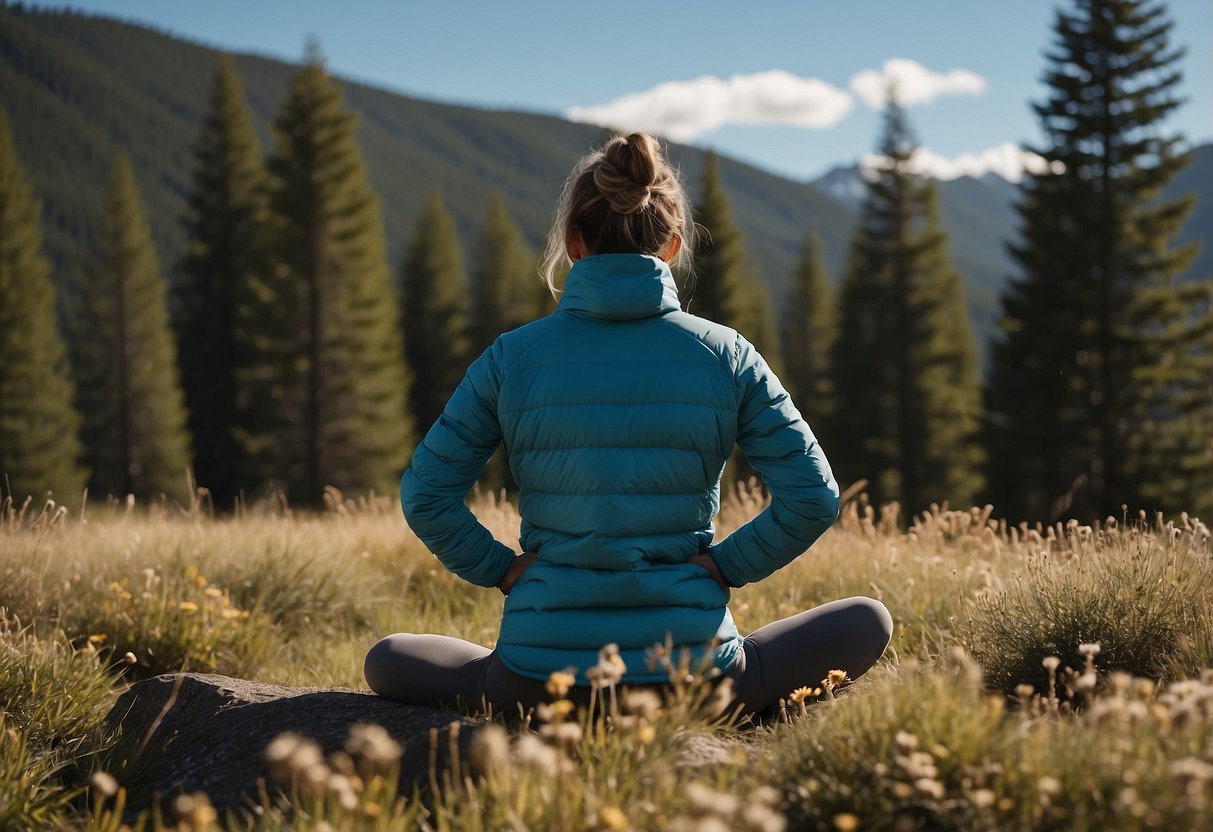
{"x":618,"y":412}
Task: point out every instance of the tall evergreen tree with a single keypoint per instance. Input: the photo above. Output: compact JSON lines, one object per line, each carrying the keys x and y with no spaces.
{"x":39,"y":427}
{"x":726,"y":289}
{"x":134,"y":430}
{"x":503,"y":293}
{"x":434,"y":297}
{"x":807,"y":329}
{"x":326,"y":376}
{"x":904,"y":366}
{"x":505,"y":284}
{"x":719,"y":286}
{"x":226,"y":211}
{"x":1071,"y":416}
{"x":757,"y":318}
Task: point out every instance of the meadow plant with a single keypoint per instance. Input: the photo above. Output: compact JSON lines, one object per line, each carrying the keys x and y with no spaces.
{"x":928,"y":747}
{"x":31,"y":796}
{"x":1077,"y":696}
{"x":1143,"y":592}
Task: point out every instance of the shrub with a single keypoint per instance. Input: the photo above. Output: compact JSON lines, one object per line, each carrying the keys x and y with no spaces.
{"x":1143,"y":594}
{"x":928,"y":748}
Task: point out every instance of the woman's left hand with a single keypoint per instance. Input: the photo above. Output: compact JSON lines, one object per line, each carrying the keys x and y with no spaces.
{"x":709,"y":563}
{"x":517,"y":566}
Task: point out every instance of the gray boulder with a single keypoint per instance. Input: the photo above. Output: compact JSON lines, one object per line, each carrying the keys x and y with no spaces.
{"x":184,"y":733}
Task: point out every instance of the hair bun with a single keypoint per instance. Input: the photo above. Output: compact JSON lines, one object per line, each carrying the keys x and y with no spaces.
{"x":629,"y":170}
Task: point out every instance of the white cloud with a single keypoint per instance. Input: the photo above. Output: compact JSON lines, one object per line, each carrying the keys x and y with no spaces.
{"x":915,"y":83}
{"x":684,"y":110}
{"x":1007,"y":160}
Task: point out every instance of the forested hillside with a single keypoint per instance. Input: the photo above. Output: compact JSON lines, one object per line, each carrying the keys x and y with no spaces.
{"x":79,"y":90}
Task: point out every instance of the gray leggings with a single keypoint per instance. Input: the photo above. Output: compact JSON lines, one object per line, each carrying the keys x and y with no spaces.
{"x":441,"y":671}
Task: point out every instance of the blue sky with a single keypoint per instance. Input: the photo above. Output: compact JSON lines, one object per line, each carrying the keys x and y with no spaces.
{"x":976,"y":65}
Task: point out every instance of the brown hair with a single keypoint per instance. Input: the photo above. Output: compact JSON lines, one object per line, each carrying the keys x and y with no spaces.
{"x":624,"y":198}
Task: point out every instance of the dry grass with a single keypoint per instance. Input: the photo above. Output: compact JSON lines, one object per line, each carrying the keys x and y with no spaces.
{"x":296,"y":598}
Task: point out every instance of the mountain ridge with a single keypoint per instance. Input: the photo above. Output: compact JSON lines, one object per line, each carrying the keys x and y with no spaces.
{"x":80,"y":88}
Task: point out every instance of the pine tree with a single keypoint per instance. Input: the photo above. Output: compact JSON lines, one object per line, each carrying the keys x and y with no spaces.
{"x":718,"y":290}
{"x":504,"y":296}
{"x":1071,"y":416}
{"x":756,"y":318}
{"x":807,"y":329}
{"x":39,"y":441}
{"x":904,"y":365}
{"x":503,"y":281}
{"x":226,"y":213}
{"x":325,"y":378}
{"x":434,"y":297}
{"x":134,"y":429}
{"x":727,"y":290}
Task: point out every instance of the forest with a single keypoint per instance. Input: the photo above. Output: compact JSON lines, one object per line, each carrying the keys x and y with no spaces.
{"x":288,"y":343}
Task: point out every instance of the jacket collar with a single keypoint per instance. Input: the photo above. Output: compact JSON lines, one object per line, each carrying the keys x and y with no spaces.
{"x":619,"y":287}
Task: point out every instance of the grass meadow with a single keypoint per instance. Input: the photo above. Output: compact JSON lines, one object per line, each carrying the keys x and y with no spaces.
{"x":1039,"y":678}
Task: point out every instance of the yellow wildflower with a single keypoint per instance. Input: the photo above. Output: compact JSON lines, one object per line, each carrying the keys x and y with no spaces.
{"x":613,"y":818}
{"x":555,"y":711}
{"x":558,"y":683}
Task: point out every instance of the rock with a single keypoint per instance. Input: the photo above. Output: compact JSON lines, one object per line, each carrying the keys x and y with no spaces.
{"x":190,"y":732}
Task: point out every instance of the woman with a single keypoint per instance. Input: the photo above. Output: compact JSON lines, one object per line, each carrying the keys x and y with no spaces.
{"x":618,"y":412}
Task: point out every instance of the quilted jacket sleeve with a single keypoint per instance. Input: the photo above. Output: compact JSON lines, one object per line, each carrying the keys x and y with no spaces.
{"x":446,"y":465}
{"x":782,"y":448}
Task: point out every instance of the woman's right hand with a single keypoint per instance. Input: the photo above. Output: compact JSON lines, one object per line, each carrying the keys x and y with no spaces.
{"x":709,"y":563}
{"x":517,"y":566}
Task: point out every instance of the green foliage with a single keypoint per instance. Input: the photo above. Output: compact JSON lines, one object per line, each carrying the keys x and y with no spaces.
{"x":904,"y":365}
{"x":325,"y":374}
{"x":434,"y":299}
{"x":1084,"y":414}
{"x":134,"y":421}
{"x":39,"y":442}
{"x":224,"y":223}
{"x":807,"y":331}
